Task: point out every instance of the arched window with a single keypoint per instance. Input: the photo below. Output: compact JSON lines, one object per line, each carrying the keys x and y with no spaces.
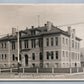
{"x":20,"y":58}
{"x":5,"y":56}
{"x":13,"y":57}
{"x":41,"y":57}
{"x":33,"y":56}
{"x":5,"y":45}
{"x":2,"y":56}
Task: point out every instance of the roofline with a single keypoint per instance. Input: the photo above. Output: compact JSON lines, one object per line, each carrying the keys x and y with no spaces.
{"x":14,"y":38}
{"x":45,"y":33}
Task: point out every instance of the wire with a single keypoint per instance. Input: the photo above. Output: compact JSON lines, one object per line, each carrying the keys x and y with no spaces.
{"x":71,"y":24}
{"x":56,"y":26}
{"x":5,"y":34}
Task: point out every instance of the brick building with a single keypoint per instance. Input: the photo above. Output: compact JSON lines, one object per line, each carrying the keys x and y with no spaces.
{"x":46,"y":46}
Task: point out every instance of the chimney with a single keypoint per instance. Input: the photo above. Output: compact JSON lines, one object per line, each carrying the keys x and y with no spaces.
{"x":32,"y":27}
{"x":13,"y":31}
{"x":49,"y":26}
{"x":69,"y":30}
{"x":45,"y":25}
{"x":26,"y":28}
{"x":74,"y":31}
{"x":8,"y":35}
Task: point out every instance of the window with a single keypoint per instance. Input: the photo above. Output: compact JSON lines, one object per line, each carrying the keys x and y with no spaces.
{"x":5,"y":45}
{"x":47,"y":65}
{"x":51,"y":54}
{"x":13,"y":57}
{"x":56,"y":39}
{"x":40,"y":42}
{"x":5,"y":56}
{"x":33,"y":65}
{"x":66,"y":41}
{"x":72,"y":43}
{"x":47,"y":42}
{"x":20,"y":58}
{"x":41,"y":64}
{"x":41,"y":57}
{"x":47,"y":55}
{"x":67,"y":65}
{"x":33,"y":44}
{"x":72,"y":35}
{"x":75,"y":45}
{"x":75,"y":64}
{"x":66,"y":53}
{"x":26,"y":43}
{"x":72,"y":55}
{"x":56,"y":65}
{"x":1,"y":45}
{"x":63,"y":41}
{"x":78,"y":56}
{"x":20,"y":44}
{"x":13,"y":45}
{"x":33,"y":32}
{"x":5,"y":65}
{"x":51,"y":41}
{"x":2,"y":56}
{"x":78,"y":45}
{"x":63,"y":64}
{"x":16,"y":58}
{"x":63,"y":54}
{"x":33,"y":56}
{"x":56,"y":54}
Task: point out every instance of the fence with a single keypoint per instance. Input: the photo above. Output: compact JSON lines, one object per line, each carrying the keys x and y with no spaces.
{"x":43,"y":70}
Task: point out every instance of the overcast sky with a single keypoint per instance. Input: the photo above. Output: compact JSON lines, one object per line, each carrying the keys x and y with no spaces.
{"x":27,"y":15}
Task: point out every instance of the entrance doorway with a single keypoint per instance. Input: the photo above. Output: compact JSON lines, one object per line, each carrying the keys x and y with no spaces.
{"x":26,"y":60}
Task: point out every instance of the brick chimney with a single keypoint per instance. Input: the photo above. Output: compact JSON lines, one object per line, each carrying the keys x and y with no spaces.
{"x":32,"y":27}
{"x":74,"y":32}
{"x":49,"y":25}
{"x":69,"y":30}
{"x":13,"y":31}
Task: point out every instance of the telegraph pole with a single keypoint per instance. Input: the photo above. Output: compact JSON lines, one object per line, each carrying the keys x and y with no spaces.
{"x":18,"y":47}
{"x":38,"y":21}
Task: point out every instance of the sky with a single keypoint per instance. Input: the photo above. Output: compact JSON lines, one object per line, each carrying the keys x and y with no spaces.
{"x":26,"y":15}
{"x":41,"y":1}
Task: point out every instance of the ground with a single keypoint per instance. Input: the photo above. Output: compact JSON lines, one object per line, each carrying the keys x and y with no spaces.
{"x":35,"y":76}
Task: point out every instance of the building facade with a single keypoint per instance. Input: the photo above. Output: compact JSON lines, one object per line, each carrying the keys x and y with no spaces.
{"x":46,"y":46}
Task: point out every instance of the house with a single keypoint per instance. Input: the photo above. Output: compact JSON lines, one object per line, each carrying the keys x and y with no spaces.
{"x":47,"y":46}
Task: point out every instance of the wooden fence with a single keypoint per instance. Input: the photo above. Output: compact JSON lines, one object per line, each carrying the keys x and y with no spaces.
{"x":43,"y":70}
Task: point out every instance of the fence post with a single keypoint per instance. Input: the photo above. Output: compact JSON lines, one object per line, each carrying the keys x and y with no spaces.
{"x":11,"y":70}
{"x":23,"y":69}
{"x":52,"y":70}
{"x":70,"y":70}
{"x":0,"y":70}
{"x":37,"y":70}
{"x":83,"y":69}
{"x":77,"y":69}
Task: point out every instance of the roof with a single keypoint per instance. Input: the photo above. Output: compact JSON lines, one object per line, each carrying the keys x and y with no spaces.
{"x":78,"y":39}
{"x":42,"y":31}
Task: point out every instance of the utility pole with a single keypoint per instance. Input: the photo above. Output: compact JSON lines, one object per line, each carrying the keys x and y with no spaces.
{"x":18,"y":47}
{"x":38,"y":21}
